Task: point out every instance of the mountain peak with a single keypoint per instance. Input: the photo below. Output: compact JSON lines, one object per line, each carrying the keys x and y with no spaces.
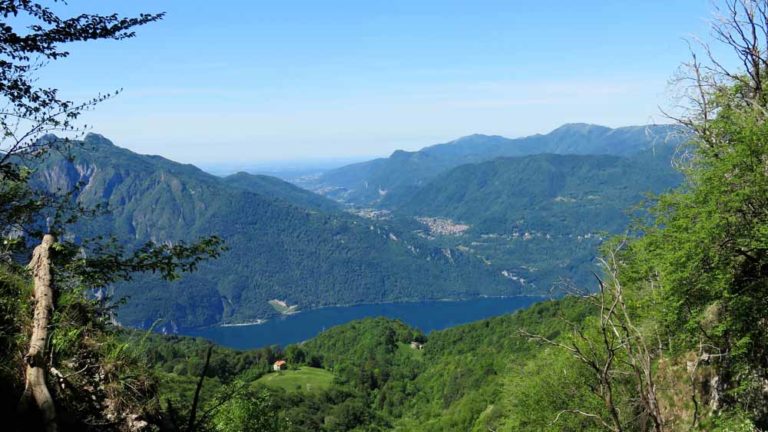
{"x":472,"y":136}
{"x":580,"y":128}
{"x":97,"y":139}
{"x":475,"y":137}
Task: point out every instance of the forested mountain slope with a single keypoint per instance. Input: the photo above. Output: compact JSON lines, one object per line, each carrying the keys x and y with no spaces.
{"x":281,"y":245}
{"x":538,"y":219}
{"x":371,"y":183}
{"x":275,"y":188}
{"x":557,"y":194}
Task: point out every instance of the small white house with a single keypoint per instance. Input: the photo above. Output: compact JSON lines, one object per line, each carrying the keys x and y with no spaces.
{"x":279,"y":365}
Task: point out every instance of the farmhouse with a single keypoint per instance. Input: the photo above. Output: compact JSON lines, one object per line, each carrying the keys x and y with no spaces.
{"x":279,"y":365}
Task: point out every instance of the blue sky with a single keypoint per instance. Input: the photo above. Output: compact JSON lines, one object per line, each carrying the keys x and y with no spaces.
{"x":249,"y":81}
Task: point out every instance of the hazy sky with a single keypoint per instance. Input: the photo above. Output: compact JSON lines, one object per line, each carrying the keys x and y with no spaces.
{"x":243,"y":81}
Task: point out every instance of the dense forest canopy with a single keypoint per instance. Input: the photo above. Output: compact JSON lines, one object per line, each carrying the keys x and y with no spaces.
{"x":69,"y":330}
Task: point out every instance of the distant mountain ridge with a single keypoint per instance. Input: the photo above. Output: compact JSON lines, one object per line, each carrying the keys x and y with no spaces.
{"x":285,"y":243}
{"x":372,"y":183}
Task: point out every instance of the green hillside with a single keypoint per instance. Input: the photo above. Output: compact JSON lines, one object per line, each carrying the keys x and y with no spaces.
{"x":555,"y":194}
{"x":278,"y":247}
{"x":375,"y":182}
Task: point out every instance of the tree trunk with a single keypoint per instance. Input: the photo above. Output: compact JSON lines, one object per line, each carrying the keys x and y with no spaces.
{"x":36,"y":390}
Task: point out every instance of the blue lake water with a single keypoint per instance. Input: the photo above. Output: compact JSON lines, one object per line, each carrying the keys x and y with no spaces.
{"x":427,"y":316}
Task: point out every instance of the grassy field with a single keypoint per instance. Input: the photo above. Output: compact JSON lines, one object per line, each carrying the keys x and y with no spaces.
{"x":306,"y":378}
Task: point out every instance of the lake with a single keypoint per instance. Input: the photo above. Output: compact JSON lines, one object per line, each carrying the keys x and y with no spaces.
{"x":426,"y":315}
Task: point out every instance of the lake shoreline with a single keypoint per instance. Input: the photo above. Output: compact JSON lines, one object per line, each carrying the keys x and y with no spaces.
{"x":244,"y":323}
{"x":427,"y":316}
{"x":260,"y":321}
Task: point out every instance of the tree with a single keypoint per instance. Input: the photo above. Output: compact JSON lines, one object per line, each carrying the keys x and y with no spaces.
{"x":614,"y":348}
{"x":36,"y":389}
{"x":249,"y":410}
{"x":32,"y":35}
{"x":31,"y":112}
{"x":692,"y":286}
{"x":703,"y":262}
{"x":710,"y":243}
{"x":295,"y":355}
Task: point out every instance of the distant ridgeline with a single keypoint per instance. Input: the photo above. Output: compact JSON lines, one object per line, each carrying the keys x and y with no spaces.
{"x":478,"y":216}
{"x":384,"y":182}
